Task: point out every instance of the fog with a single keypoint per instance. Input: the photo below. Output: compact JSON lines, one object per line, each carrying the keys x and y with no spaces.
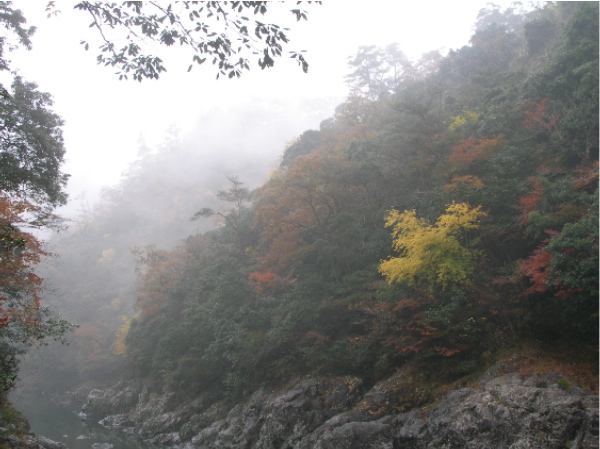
{"x":106,"y":118}
{"x":144,"y":157}
{"x":281,"y":276}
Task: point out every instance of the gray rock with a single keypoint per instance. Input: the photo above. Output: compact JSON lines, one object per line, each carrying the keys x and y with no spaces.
{"x":118,"y":399}
{"x":507,"y":412}
{"x":37,"y":442}
{"x":503,"y":411}
{"x":102,"y":446}
{"x":115,"y":422}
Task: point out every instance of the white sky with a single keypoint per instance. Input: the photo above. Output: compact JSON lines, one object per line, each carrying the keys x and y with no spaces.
{"x":105,"y":117}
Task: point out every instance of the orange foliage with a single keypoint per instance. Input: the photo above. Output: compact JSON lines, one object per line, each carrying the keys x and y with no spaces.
{"x":538,"y":117}
{"x":530,"y":202}
{"x":446,"y":352}
{"x":264,"y":283}
{"x":163,"y":272}
{"x":403,"y":350}
{"x":20,"y":252}
{"x":90,"y":334}
{"x":535,"y":267}
{"x":474,"y":149}
{"x":301,"y":202}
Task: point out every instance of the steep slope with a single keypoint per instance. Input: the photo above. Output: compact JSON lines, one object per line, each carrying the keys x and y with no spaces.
{"x":470,"y":187}
{"x":428,"y":227}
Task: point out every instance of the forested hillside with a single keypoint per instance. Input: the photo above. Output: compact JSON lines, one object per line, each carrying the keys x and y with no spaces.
{"x":447,"y":211}
{"x":92,"y":279}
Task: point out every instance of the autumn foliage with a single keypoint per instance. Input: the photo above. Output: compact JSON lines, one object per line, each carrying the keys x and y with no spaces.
{"x":536,"y":268}
{"x":530,"y":202}
{"x":539,"y":117}
{"x":20,"y":286}
{"x":268,"y":283}
{"x":445,"y":221}
{"x":475,"y":149}
{"x":436,"y":254}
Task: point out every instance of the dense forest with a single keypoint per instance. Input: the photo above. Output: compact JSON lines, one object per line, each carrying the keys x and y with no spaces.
{"x":446,"y":213}
{"x":447,"y":210}
{"x":92,"y":279}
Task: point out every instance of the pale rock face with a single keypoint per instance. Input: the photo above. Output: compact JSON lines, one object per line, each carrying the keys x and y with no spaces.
{"x":502,"y":411}
{"x":32,"y":442}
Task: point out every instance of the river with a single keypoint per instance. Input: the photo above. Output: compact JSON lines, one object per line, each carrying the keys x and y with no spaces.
{"x":61,"y":423}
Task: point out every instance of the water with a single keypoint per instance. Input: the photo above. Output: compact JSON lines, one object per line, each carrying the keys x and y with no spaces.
{"x":60,"y":423}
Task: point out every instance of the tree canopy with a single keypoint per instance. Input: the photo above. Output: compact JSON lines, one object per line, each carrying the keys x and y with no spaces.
{"x":479,"y":165}
{"x":220,"y":32}
{"x":31,"y":186}
{"x":434,"y":253}
{"x":483,"y":164}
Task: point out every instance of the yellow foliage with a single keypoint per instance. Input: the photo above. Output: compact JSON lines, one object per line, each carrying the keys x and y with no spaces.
{"x":107,"y":256}
{"x":460,"y":120}
{"x":433,"y":254}
{"x":468,"y":180}
{"x":115,"y":303}
{"x":120,"y":347}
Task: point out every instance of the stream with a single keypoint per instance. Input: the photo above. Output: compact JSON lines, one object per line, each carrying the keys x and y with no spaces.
{"x":60,"y":423}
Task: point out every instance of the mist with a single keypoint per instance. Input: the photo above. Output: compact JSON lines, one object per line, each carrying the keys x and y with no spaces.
{"x":364,"y":237}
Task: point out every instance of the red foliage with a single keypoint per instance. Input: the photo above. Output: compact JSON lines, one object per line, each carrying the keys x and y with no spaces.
{"x":538,"y":117}
{"x":473,"y":149}
{"x":529,"y":203}
{"x":20,"y":252}
{"x":408,"y":349}
{"x":586,"y":176}
{"x":446,"y":352}
{"x":535,"y":267}
{"x":264,"y":283}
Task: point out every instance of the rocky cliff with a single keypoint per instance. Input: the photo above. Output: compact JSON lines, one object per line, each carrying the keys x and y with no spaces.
{"x":496,"y":411}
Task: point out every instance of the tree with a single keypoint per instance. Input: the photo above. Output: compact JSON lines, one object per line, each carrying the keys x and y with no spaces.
{"x":23,"y":319}
{"x":31,"y":183}
{"x":435,"y":254}
{"x":378,"y":71}
{"x":31,"y":146}
{"x":564,"y":269}
{"x":219,"y":31}
{"x":239,"y":196}
{"x":13,"y":22}
{"x":369,"y":72}
{"x":31,"y":143}
{"x":305,"y":213}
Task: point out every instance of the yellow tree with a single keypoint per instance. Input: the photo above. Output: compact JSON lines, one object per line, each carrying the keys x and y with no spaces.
{"x":435,"y":255}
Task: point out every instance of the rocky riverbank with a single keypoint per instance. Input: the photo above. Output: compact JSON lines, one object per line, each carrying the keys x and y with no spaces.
{"x":498,"y":410}
{"x":15,"y":430}
{"x":30,"y":442}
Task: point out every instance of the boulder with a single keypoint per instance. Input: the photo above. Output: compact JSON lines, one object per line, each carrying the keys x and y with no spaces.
{"x":499,"y":411}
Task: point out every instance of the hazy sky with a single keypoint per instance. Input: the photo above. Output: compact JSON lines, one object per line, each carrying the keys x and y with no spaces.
{"x":105,"y":118}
